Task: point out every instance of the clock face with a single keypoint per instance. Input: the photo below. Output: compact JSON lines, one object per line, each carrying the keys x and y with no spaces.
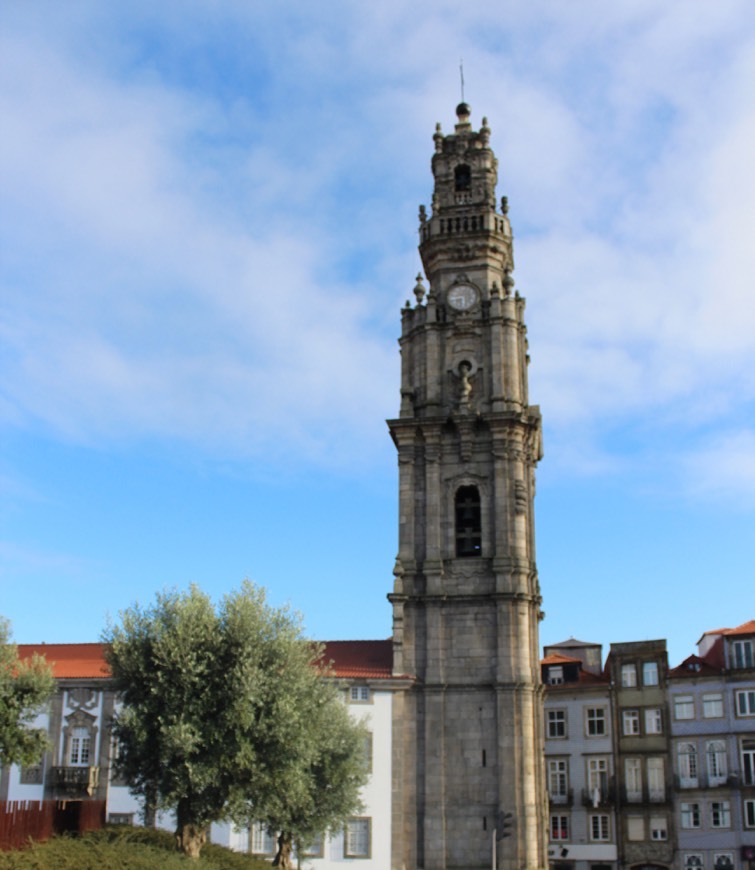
{"x":462,"y":297}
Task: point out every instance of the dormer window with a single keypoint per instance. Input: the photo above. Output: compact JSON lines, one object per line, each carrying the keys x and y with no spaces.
{"x":468,"y":522}
{"x":555,"y":675}
{"x":462,"y":178}
{"x":742,"y":654}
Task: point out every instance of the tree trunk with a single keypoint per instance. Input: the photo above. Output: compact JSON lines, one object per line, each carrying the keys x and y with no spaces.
{"x":285,"y":852}
{"x":190,"y":839}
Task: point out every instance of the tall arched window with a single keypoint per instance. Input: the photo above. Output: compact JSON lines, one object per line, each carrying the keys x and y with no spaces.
{"x":687,"y":765}
{"x":468,"y":522}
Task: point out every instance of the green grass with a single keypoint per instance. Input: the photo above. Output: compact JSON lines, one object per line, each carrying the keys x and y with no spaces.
{"x":121,"y":847}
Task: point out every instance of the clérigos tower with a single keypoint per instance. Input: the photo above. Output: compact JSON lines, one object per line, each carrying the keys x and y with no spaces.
{"x":466,"y":600}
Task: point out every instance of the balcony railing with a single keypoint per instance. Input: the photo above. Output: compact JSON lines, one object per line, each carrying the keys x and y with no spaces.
{"x":562,"y":799}
{"x":600,"y":797}
{"x":75,"y":780}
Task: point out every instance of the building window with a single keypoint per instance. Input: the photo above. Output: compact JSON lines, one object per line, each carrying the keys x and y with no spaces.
{"x":597,"y":781}
{"x":314,"y":849}
{"x":32,"y":775}
{"x":263,"y":842}
{"x":558,"y":778}
{"x":462,"y":178}
{"x":631,"y":722}
{"x":120,"y":818}
{"x":742,"y":650}
{"x":596,"y":721}
{"x":713,"y":706}
{"x":693,"y":861}
{"x":749,"y":813}
{"x":357,"y":838}
{"x":715,"y":755}
{"x":690,"y":815}
{"x":687,"y":755}
{"x":723,"y":860}
{"x":748,"y":762}
{"x":628,"y":676}
{"x":658,"y":828}
{"x":468,"y":522}
{"x":684,"y":707}
{"x":599,"y":828}
{"x":80,"y":746}
{"x":556,"y":723}
{"x":633,"y":779}
{"x":745,"y":703}
{"x":720,"y":814}
{"x":656,"y":779}
{"x":555,"y":675}
{"x":359,"y":694}
{"x":635,"y":828}
{"x":559,"y":827}
{"x":650,"y":674}
{"x":653,"y":721}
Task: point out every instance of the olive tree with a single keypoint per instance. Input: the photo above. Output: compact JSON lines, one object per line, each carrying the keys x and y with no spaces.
{"x":25,"y":687}
{"x":219,"y":709}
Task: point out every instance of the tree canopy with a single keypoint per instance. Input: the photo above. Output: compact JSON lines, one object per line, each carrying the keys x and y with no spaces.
{"x":25,"y":687}
{"x":226,"y":715}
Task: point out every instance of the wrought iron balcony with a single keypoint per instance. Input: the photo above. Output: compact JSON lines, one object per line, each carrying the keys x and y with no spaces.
{"x":75,"y":780}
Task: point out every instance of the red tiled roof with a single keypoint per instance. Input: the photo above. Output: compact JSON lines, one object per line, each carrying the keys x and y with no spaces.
{"x":70,"y":660}
{"x":745,"y":628}
{"x":365,"y":659}
{"x":693,"y":666}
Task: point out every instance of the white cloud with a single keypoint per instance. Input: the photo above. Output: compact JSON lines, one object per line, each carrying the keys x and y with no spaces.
{"x":189,"y":252}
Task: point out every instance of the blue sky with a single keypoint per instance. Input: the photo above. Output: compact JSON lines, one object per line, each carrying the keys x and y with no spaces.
{"x":208,"y":215}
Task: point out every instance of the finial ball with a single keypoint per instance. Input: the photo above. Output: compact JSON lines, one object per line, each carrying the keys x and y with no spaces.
{"x":463,"y":111}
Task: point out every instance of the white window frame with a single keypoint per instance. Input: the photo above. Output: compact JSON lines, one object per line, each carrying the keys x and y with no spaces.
{"x":684,"y":707}
{"x":557,"y":721}
{"x":720,"y":814}
{"x":693,"y":861}
{"x":561,"y":830}
{"x":80,"y":747}
{"x":689,"y":775}
{"x":650,"y":673}
{"x":658,"y":828}
{"x":630,"y":723}
{"x":713,"y":705}
{"x":596,"y":722}
{"x":600,"y":827}
{"x":747,"y":755}
{"x":716,"y":762}
{"x":744,"y":703}
{"x":690,"y":815}
{"x":357,"y":837}
{"x":360,"y":694}
{"x":653,"y":720}
{"x":558,"y":777}
{"x":263,"y":843}
{"x":742,"y":654}
{"x":597,"y":775}
{"x":628,"y":676}
{"x":656,"y":774}
{"x":633,"y":779}
{"x":555,"y":675}
{"x":723,"y":861}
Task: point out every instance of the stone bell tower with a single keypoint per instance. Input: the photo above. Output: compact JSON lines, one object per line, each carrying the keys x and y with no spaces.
{"x":468,"y":739}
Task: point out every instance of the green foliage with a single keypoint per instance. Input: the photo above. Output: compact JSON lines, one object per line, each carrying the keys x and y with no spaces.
{"x":122,"y":847}
{"x":226,"y":715}
{"x":25,"y":687}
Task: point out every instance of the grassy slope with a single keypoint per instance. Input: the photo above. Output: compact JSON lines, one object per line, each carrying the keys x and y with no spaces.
{"x":123,"y":848}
